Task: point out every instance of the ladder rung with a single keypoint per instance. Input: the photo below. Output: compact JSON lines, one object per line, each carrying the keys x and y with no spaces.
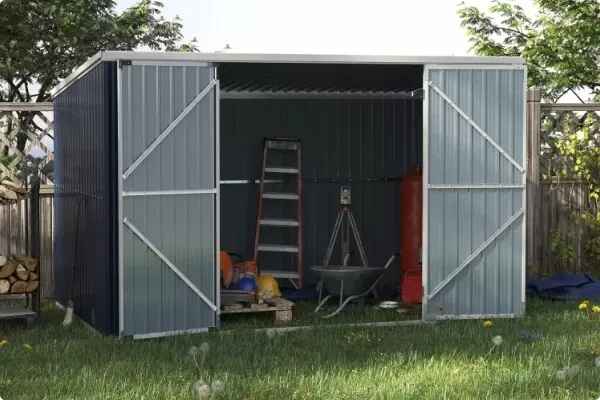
{"x":281,"y":170}
{"x":281,"y":196}
{"x":278,"y":222}
{"x":282,"y":144}
{"x":277,"y":248}
{"x":275,"y":273}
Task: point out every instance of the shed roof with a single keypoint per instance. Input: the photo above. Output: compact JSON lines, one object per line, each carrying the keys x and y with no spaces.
{"x":228,"y":57}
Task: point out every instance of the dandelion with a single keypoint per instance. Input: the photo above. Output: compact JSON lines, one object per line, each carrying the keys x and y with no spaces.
{"x":487,"y":324}
{"x":497,"y":340}
{"x":572,"y":371}
{"x":3,"y":343}
{"x":204,"y":348}
{"x":567,"y":372}
{"x":270,"y":333}
{"x":584,"y":305}
{"x":217,"y":386}
{"x":201,"y":390}
{"x":193,"y":351}
{"x":27,"y":347}
{"x":596,"y":309}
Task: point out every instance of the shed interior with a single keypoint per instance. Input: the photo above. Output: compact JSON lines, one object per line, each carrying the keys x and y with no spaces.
{"x":359,"y":125}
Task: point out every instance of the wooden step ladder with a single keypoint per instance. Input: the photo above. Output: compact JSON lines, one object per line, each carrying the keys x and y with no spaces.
{"x":289,"y":176}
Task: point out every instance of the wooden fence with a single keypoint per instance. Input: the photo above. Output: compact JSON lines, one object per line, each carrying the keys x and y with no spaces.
{"x":18,"y":239}
{"x":20,"y":221}
{"x":553,"y":205}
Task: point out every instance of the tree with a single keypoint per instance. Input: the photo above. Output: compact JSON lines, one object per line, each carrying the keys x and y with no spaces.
{"x":561,"y":45}
{"x":42,"y":41}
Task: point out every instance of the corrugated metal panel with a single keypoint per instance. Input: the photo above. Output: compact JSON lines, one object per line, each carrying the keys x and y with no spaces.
{"x":182,"y":227}
{"x":323,"y":78}
{"x":461,"y":220}
{"x":85,"y":197}
{"x":367,"y":143}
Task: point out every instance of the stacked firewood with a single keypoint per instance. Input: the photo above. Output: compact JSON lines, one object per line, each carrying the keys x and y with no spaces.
{"x":19,"y":275}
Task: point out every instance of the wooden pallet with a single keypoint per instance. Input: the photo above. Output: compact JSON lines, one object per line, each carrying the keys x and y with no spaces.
{"x":281,"y":308}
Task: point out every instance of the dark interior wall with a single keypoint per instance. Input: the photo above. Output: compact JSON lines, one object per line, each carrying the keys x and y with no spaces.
{"x":368,"y":144}
{"x":85,"y":249}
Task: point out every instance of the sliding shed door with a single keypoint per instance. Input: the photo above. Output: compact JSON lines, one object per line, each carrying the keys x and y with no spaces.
{"x":474,"y":222}
{"x":169,"y":192}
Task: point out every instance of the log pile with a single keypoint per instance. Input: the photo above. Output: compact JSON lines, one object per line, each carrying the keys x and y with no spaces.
{"x":19,"y":275}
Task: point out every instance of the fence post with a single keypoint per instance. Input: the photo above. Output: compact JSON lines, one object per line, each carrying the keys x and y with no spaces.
{"x":534,"y":246}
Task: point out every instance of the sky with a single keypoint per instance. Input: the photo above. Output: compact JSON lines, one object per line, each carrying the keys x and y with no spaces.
{"x":401,"y":27}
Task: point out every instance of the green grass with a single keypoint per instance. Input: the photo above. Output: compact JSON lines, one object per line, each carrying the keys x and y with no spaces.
{"x":449,"y":360}
{"x":304,"y":315}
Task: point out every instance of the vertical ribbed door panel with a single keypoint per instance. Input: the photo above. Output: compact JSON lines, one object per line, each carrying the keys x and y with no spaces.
{"x":475,"y":194}
{"x":169,"y":197}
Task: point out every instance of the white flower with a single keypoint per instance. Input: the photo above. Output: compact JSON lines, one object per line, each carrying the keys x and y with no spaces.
{"x":193,"y":351}
{"x":271,"y":333}
{"x":597,"y":362}
{"x":217,"y":386}
{"x":204,"y":348}
{"x":497,"y":340}
{"x":201,"y":390}
{"x":572,"y":371}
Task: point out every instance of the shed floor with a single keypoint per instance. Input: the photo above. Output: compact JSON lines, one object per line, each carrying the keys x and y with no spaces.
{"x":303,"y":315}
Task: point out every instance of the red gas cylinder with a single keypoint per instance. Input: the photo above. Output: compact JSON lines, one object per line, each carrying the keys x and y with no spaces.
{"x":411,"y":201}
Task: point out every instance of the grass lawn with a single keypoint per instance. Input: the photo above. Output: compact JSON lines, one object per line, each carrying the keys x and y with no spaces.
{"x":450,"y":360}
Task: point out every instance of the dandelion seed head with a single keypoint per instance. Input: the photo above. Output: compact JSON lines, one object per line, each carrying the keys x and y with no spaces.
{"x":217,"y":386}
{"x":497,"y":340}
{"x":201,"y":390}
{"x":193,"y":351}
{"x":204,"y":348}
{"x":271,"y":333}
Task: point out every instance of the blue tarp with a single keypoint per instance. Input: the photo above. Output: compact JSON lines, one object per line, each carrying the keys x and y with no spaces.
{"x":566,"y":286}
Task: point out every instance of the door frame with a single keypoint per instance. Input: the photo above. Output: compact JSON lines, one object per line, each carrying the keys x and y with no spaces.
{"x":425,"y":209}
{"x":122,"y":176}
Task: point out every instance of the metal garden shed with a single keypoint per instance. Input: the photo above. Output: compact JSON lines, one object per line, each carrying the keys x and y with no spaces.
{"x":157,"y":156}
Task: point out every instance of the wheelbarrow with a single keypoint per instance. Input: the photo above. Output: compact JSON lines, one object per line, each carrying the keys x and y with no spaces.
{"x":353,"y":282}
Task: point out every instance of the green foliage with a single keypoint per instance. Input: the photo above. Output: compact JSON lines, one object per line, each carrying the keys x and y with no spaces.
{"x":42,"y":41}
{"x":577,"y":149}
{"x":561,"y":45}
{"x":562,"y":249}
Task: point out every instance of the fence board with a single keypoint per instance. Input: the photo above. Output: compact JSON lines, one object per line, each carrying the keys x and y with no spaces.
{"x":15,"y":237}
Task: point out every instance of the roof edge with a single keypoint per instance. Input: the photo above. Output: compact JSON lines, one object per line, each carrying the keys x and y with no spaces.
{"x":220,"y":57}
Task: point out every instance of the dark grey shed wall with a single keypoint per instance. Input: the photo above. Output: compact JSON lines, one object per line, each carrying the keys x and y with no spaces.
{"x":365,"y":143}
{"x":85,"y":170}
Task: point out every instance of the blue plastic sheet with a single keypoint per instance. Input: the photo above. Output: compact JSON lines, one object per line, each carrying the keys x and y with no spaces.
{"x":566,"y":286}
